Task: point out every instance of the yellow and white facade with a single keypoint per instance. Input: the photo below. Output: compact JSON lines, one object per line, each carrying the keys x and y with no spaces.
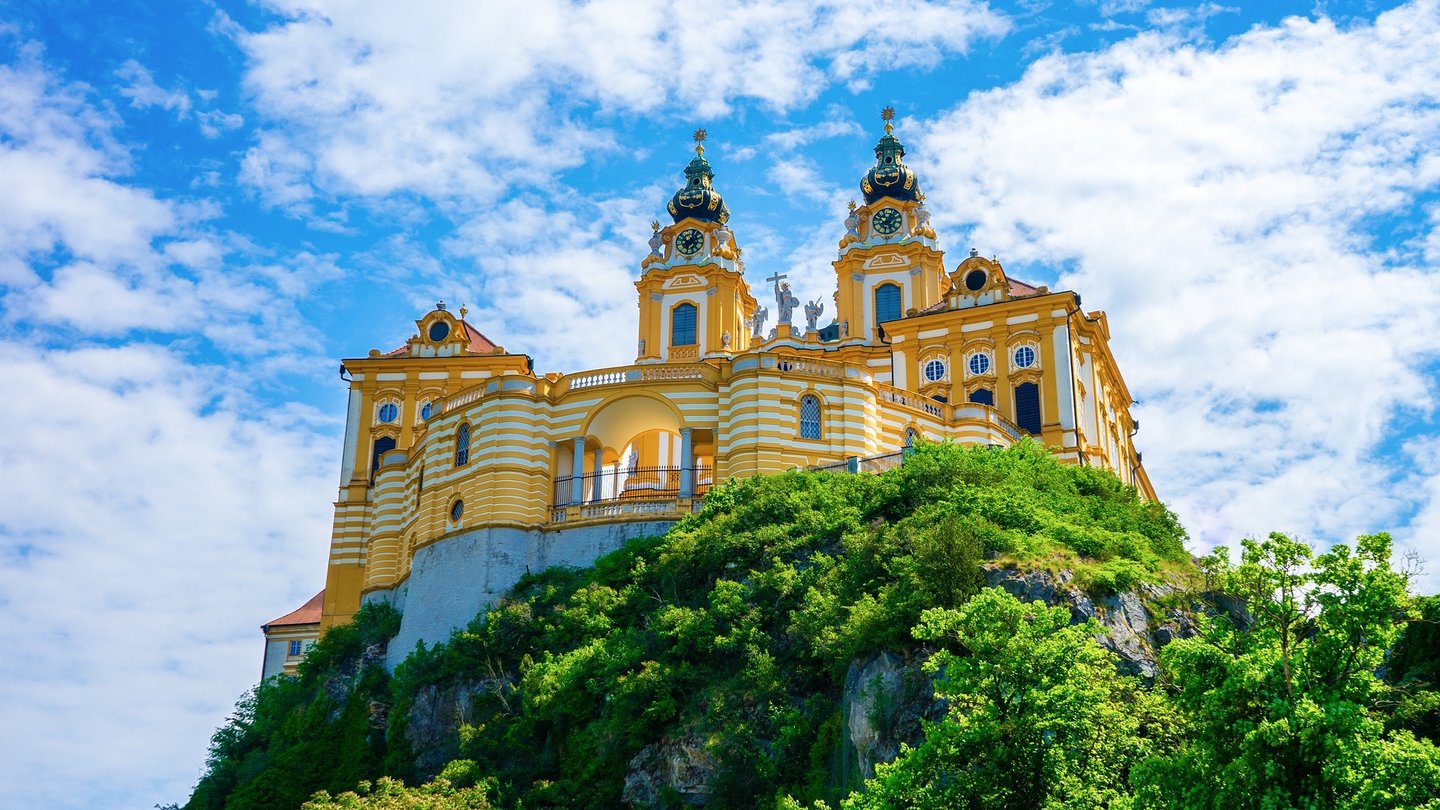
{"x":464,"y":468}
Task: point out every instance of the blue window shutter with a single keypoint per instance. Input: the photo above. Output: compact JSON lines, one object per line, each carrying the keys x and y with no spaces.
{"x":984,"y":396}
{"x":682,"y":325}
{"x":383,"y":445}
{"x":887,"y":303}
{"x":1027,"y":407}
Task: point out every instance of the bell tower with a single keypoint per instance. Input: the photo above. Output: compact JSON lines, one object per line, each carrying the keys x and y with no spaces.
{"x":890,"y":263}
{"x":694,"y":302}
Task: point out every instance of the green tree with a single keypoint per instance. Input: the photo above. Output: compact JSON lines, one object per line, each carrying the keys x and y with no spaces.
{"x":453,"y":789}
{"x":1038,"y":716}
{"x":1288,"y":711}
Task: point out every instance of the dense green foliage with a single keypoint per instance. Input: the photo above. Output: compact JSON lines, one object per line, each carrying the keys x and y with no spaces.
{"x":1285,"y":712}
{"x":737,"y":627}
{"x":292,"y":736}
{"x":733,"y":634}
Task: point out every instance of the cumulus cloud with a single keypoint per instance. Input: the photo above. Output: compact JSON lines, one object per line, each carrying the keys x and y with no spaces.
{"x":1246,"y":186}
{"x":154,"y":516}
{"x":83,"y":247}
{"x":454,"y":101}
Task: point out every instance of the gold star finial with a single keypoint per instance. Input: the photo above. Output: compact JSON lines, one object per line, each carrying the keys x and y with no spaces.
{"x":654,"y":225}
{"x":699,"y":141}
{"x":888,"y":115}
{"x":852,"y":206}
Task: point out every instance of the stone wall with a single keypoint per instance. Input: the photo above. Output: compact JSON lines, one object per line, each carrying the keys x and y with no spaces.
{"x":453,"y":580}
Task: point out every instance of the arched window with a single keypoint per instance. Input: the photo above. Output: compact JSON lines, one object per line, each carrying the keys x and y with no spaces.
{"x":383,"y":445}
{"x":462,"y":446}
{"x":682,"y":325}
{"x":984,"y":396}
{"x":1027,"y":407}
{"x":887,"y":303}
{"x":910,"y":437}
{"x":809,"y":417}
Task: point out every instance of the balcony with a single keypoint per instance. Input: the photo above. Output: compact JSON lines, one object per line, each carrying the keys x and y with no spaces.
{"x":636,"y":493}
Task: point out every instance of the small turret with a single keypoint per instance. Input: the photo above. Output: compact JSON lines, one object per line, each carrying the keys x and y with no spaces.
{"x":890,"y":177}
{"x":698,"y":198}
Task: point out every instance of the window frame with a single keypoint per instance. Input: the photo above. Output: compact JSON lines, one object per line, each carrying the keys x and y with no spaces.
{"x":815,"y":424}
{"x":462,"y":445}
{"x":899,"y":301}
{"x":694,"y":324}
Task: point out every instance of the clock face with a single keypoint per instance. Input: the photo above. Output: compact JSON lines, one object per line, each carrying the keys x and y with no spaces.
{"x":887,"y":221}
{"x":689,"y":242}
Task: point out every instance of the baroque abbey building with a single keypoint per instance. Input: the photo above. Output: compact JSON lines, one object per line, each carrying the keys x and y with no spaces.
{"x":463,"y":468}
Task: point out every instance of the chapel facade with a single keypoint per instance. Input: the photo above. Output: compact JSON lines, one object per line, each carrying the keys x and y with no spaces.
{"x":463,"y":468}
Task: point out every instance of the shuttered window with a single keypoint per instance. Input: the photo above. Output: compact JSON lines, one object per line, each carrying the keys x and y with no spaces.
{"x":887,"y":303}
{"x":984,"y":396}
{"x":682,"y":325}
{"x":1027,"y":407}
{"x":809,"y":417}
{"x":383,"y":445}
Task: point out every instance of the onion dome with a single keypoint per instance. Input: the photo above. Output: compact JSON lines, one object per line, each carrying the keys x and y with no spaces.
{"x":698,"y":199}
{"x":890,"y":177}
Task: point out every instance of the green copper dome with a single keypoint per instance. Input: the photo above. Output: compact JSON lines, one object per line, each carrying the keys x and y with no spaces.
{"x":698,"y":198}
{"x":890,"y":177}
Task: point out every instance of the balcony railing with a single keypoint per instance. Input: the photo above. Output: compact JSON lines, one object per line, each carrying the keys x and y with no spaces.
{"x":629,"y":485}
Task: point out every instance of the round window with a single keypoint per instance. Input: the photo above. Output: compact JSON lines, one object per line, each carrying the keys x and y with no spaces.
{"x":1024,"y":357}
{"x":975,"y":280}
{"x":935,"y":370}
{"x":439,"y":331}
{"x":456,"y":510}
{"x":979,"y":363}
{"x":389,"y":412}
{"x":427,"y":410}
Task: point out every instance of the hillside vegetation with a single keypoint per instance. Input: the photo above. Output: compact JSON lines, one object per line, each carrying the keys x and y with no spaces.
{"x":723,"y":648}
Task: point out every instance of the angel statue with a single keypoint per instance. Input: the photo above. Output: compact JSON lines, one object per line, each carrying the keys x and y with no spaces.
{"x":813,"y":311}
{"x":757,"y":322}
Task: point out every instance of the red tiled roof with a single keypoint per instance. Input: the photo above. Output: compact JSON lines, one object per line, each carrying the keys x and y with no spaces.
{"x":308,"y":613}
{"x":1020,"y":288}
{"x":478,"y":342}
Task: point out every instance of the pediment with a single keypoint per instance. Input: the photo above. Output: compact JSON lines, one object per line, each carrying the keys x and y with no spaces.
{"x":887,"y":260}
{"x":684,"y":280}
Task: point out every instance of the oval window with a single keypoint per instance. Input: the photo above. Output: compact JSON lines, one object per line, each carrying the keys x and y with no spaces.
{"x":439,"y":331}
{"x":427,"y":410}
{"x":1024,"y":357}
{"x":975,"y":280}
{"x":935,"y":370}
{"x":456,"y":510}
{"x":389,"y":412}
{"x":979,"y":363}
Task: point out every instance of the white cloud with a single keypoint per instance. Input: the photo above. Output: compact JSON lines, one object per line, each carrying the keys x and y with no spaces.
{"x":453,"y":100}
{"x":1218,"y":203}
{"x":83,"y":248}
{"x":154,"y":518}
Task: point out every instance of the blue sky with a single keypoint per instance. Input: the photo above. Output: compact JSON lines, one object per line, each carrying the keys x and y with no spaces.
{"x":203,"y":207}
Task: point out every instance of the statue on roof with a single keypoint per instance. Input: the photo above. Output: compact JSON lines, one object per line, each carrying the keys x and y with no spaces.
{"x":813,"y":311}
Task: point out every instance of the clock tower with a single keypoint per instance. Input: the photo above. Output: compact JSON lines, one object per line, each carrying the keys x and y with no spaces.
{"x":694,"y":302}
{"x":890,"y":263}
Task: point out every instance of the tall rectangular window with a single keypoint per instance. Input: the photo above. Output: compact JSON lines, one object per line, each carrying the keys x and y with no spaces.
{"x":809,"y":417}
{"x":682,"y":325}
{"x":1027,"y":407}
{"x":294,"y":648}
{"x":887,"y":303}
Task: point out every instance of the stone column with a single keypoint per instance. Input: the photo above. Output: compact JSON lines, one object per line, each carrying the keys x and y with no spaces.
{"x":577,"y":470}
{"x":597,"y":466}
{"x":687,"y":464}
